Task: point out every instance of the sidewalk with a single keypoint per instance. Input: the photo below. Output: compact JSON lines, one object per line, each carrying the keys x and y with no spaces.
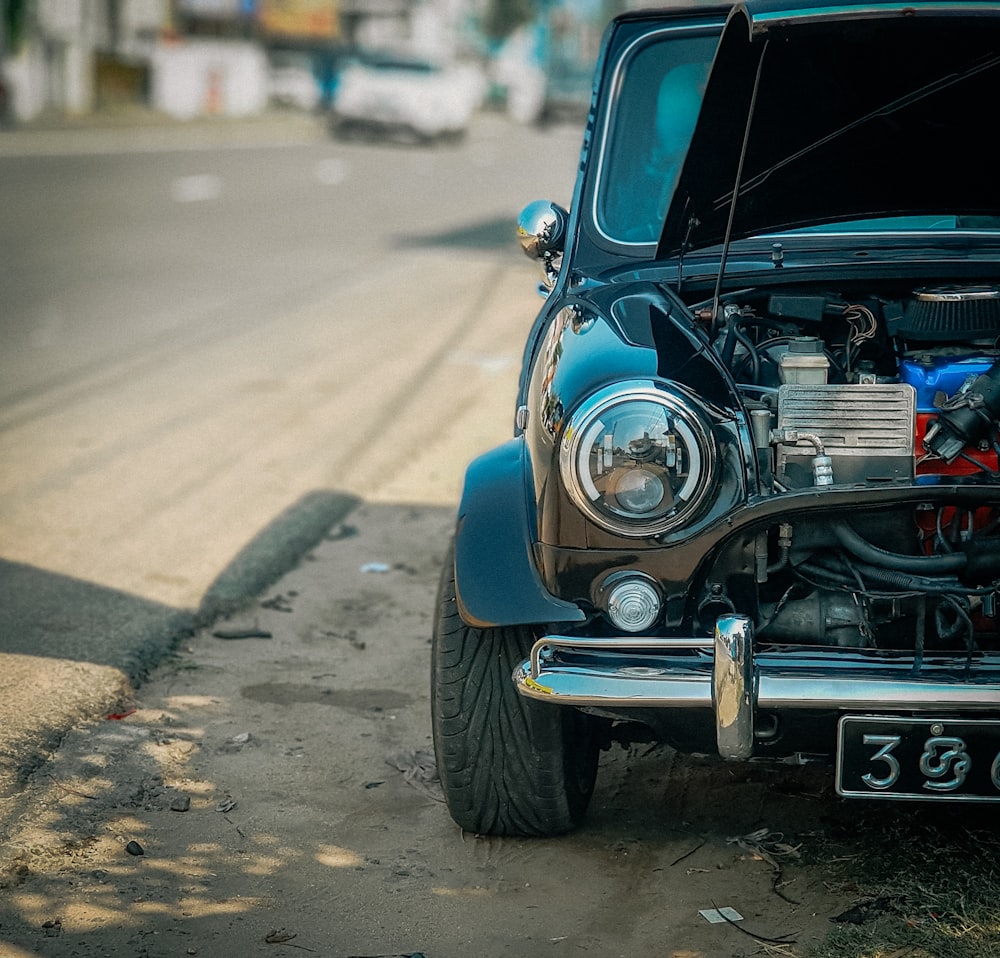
{"x":138,"y":130}
{"x":71,"y":651}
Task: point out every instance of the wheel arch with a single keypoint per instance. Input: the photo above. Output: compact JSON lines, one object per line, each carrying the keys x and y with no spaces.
{"x":496,"y":580}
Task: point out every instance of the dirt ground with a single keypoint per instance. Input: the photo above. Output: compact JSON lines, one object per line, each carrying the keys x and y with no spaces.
{"x":280,"y":788}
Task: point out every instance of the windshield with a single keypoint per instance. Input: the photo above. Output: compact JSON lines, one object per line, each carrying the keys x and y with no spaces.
{"x":660,"y":85}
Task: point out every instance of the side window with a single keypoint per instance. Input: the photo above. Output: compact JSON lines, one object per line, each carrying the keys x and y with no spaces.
{"x":659,"y":96}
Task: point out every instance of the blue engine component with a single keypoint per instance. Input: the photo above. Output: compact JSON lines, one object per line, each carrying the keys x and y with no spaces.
{"x":941,"y":374}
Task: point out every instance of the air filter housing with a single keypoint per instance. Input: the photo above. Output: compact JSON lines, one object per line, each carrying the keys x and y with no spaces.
{"x":956,"y":313}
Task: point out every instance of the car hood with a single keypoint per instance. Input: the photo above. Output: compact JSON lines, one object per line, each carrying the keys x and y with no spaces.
{"x":827,"y":113}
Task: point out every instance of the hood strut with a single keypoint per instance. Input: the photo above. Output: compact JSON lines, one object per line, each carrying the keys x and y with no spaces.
{"x":736,"y":185}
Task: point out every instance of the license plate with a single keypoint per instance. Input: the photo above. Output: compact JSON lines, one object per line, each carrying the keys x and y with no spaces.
{"x":918,"y":758}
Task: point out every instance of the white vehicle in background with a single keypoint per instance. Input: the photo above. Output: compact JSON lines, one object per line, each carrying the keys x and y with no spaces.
{"x":291,"y":80}
{"x":390,"y":95}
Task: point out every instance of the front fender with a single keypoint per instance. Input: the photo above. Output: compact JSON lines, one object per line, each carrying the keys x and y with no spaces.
{"x":496,"y":581}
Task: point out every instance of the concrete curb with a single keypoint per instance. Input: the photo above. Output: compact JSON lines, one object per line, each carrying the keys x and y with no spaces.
{"x":72,"y":651}
{"x":275,"y":550}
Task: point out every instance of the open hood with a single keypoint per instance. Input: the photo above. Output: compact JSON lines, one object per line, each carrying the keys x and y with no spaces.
{"x":826,"y":113}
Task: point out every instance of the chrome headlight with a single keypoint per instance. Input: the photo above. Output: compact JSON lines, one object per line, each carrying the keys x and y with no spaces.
{"x":636,"y":459}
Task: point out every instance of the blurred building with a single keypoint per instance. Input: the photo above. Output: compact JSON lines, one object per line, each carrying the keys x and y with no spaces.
{"x":70,"y":56}
{"x":189,"y":58}
{"x":194,"y":57}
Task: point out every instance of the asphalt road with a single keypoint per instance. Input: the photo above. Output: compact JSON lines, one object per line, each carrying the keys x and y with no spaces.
{"x":216,"y":339}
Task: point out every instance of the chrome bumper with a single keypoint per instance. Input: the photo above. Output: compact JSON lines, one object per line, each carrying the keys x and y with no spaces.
{"x":728,"y":677}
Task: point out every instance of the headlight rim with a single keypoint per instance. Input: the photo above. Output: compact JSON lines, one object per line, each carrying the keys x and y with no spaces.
{"x":585,"y":422}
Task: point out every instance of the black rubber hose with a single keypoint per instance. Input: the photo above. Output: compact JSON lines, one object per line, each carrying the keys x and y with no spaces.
{"x":873,"y":555}
{"x":984,"y":561}
{"x":891,"y":579}
{"x":909,"y":582}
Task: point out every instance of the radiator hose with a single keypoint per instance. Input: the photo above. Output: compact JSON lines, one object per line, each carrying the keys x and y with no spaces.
{"x":873,"y":555}
{"x":977,"y":564}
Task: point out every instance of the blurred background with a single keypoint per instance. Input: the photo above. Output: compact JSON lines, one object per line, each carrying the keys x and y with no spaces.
{"x":188,"y":58}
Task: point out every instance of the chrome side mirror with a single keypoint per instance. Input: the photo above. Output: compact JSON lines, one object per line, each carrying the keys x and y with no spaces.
{"x":541,"y":228}
{"x":541,"y":231}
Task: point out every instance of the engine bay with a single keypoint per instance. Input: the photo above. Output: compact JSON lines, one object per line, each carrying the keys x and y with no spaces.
{"x":869,"y":382}
{"x":870,"y":390}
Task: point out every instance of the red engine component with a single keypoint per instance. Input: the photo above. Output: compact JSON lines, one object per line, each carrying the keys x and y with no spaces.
{"x":953,"y":524}
{"x":957,"y":467}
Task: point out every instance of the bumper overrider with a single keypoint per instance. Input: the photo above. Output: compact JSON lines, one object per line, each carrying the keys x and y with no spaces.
{"x":727,"y":676}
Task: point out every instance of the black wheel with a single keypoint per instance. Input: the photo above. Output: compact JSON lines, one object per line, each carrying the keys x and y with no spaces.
{"x":508,"y":765}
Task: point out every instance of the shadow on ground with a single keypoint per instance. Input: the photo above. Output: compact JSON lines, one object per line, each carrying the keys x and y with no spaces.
{"x":275,"y":790}
{"x":71,"y":650}
{"x":493,"y":234}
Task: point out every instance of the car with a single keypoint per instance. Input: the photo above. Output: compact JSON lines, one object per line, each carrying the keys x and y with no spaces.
{"x":750,"y":505}
{"x":291,"y":79}
{"x":388,"y":95}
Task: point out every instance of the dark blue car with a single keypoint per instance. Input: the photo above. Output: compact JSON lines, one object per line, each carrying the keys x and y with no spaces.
{"x":751,"y":503}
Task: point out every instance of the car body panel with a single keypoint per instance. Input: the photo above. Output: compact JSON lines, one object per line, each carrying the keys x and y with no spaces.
{"x":498,"y":583}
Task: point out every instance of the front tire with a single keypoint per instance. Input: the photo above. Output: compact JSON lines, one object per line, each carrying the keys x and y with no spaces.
{"x":508,"y":765}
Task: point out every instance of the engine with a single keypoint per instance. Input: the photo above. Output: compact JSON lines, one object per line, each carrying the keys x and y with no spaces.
{"x":869,"y":389}
{"x":872,"y":390}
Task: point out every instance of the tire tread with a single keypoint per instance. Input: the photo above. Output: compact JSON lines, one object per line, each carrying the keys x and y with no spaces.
{"x":508,"y":765}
